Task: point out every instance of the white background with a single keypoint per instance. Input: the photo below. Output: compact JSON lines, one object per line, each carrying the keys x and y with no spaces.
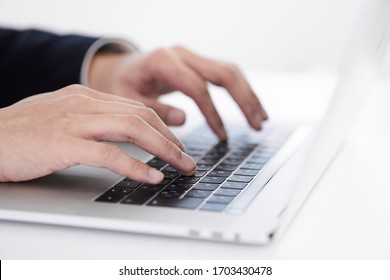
{"x":347,"y":216}
{"x":281,"y":35}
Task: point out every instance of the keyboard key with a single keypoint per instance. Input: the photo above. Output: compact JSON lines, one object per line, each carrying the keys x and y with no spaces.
{"x":206,"y":186}
{"x":232,"y":161}
{"x":216,"y":207}
{"x":246,"y":172}
{"x":212,"y":180}
{"x":227,"y":192}
{"x":223,"y":147}
{"x":208,"y":161}
{"x":187,"y":179}
{"x":156,"y":163}
{"x":249,"y":147}
{"x":266,"y":153}
{"x":233,"y":185}
{"x":214,"y":155}
{"x":256,"y":166}
{"x":170,"y":174}
{"x":198,"y":193}
{"x":170,"y":168}
{"x":179,"y":186}
{"x":110,"y":197}
{"x":128,"y":184}
{"x":150,"y":188}
{"x":195,"y":155}
{"x":113,"y":190}
{"x":138,"y":197}
{"x":166,"y":181}
{"x":226,"y":167}
{"x":220,"y":199}
{"x":257,"y":159}
{"x":125,"y":191}
{"x":220,"y":173}
{"x":171,"y":193}
{"x":200,"y":173}
{"x":204,"y":167}
{"x":240,"y":178}
{"x":115,"y":194}
{"x":194,"y":149}
{"x":238,"y":155}
{"x":185,"y":202}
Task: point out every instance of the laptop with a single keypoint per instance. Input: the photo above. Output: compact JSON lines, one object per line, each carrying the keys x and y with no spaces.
{"x":246,"y":190}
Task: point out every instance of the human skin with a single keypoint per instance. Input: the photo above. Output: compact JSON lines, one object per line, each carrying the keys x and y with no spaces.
{"x":146,"y":76}
{"x":54,"y":131}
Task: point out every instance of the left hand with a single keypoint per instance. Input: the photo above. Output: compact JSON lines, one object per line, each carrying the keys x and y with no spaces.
{"x":144,"y":77}
{"x":53,"y":131}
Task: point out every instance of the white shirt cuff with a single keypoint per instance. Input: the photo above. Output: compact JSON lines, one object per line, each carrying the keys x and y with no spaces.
{"x":117,"y":44}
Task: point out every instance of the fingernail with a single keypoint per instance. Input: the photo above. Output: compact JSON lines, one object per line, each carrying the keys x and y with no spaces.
{"x":155,"y":175}
{"x":223,"y":134}
{"x":188,"y":161}
{"x":258,"y":120}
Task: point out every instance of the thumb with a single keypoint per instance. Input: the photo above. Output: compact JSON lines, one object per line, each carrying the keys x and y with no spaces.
{"x":170,"y":115}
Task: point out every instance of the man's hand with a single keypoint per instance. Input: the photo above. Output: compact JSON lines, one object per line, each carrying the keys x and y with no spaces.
{"x":144,"y":77}
{"x":53,"y":131}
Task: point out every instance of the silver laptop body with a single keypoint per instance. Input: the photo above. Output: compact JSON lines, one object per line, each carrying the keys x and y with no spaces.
{"x":265,"y":206}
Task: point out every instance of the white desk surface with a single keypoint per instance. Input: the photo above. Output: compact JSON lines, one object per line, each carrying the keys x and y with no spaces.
{"x":346,"y":216}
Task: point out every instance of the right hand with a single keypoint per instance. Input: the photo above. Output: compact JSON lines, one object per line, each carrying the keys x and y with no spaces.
{"x":53,"y":131}
{"x":145,"y":77}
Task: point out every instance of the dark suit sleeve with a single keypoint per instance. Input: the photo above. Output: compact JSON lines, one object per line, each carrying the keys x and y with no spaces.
{"x":34,"y":61}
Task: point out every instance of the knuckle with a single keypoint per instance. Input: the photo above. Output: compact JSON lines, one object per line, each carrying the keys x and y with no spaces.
{"x":179,"y":48}
{"x":76,"y":89}
{"x":139,"y":104}
{"x":202,"y":87}
{"x":138,"y":169}
{"x":136,"y":122}
{"x":149,"y":113}
{"x":158,"y":61}
{"x":200,"y":93}
{"x":231,"y":71}
{"x":146,"y":115}
{"x":75,"y":100}
{"x":161,"y":53}
{"x":172,"y":150}
{"x":110,"y":153}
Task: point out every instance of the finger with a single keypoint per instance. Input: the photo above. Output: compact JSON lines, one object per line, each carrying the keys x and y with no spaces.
{"x":83,"y":104}
{"x":208,"y":109}
{"x":133,"y":129}
{"x":170,"y":115}
{"x":111,"y":157}
{"x":174,"y":72}
{"x":231,"y":78}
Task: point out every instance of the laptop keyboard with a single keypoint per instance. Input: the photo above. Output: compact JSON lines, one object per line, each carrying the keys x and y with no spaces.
{"x":224,"y":171}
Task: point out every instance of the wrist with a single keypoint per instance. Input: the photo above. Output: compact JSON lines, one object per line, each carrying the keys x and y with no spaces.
{"x":100,"y":47}
{"x":101,"y":70}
